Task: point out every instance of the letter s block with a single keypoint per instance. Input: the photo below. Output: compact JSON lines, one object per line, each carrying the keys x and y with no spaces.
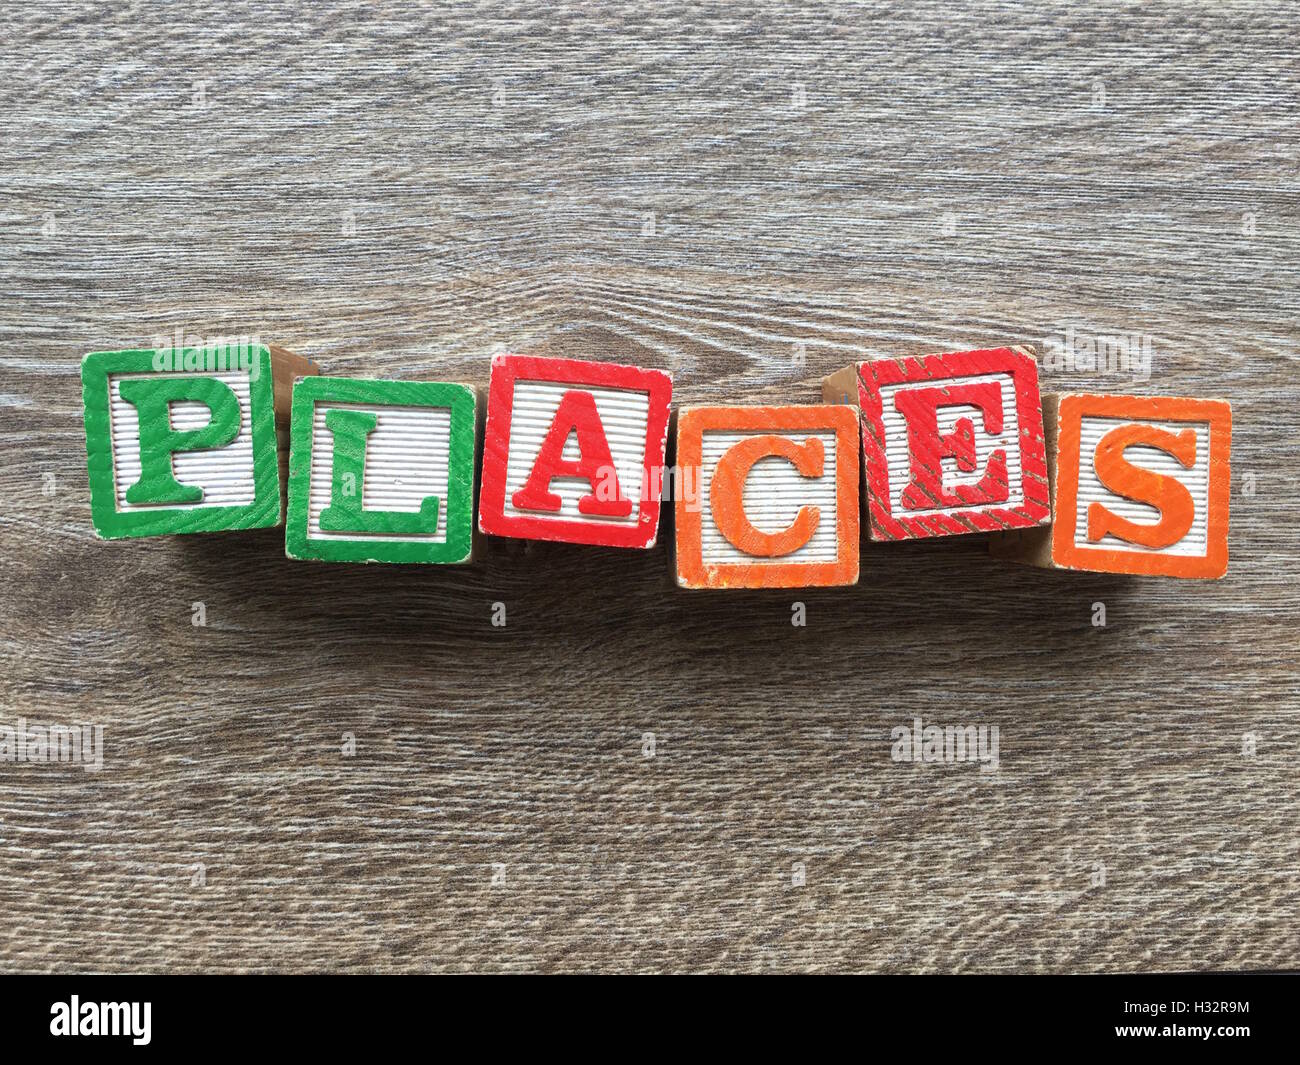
{"x":185,"y":440}
{"x":381,"y":471}
{"x":574,"y":451}
{"x":1139,"y":485}
{"x":951,"y":443}
{"x":767,"y":497}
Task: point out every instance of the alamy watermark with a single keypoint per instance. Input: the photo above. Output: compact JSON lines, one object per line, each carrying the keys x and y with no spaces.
{"x":181,"y":353}
{"x":921,"y":743}
{"x":665,"y":483}
{"x":1111,"y":353}
{"x":132,"y":1020}
{"x":52,"y":744}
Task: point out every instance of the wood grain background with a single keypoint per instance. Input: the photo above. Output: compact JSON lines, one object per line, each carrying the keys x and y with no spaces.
{"x":751,"y":200}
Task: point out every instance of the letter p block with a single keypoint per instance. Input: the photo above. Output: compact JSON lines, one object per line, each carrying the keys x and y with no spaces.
{"x":184,"y":440}
{"x":767,"y":497}
{"x":381,"y":471}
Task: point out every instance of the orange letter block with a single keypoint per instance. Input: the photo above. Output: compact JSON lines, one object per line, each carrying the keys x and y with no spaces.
{"x":1139,"y":485}
{"x":767,"y":497}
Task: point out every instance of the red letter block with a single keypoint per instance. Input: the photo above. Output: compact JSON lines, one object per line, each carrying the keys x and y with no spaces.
{"x":952,"y":443}
{"x":1139,"y":485}
{"x":574,"y":451}
{"x":767,"y":497}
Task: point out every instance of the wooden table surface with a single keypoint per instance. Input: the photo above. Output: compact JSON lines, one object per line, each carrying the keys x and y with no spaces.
{"x":750,"y":200}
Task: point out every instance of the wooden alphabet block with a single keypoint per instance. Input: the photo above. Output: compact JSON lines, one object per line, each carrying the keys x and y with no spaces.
{"x":574,"y":451}
{"x":1139,"y":485}
{"x":767,"y":497}
{"x":185,"y":440}
{"x":381,"y":471}
{"x":952,"y":443}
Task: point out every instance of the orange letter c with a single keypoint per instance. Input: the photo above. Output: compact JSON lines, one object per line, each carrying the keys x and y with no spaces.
{"x":727,"y":494}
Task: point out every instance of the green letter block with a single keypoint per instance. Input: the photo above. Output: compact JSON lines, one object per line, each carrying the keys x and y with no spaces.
{"x":181,"y":441}
{"x":381,"y":471}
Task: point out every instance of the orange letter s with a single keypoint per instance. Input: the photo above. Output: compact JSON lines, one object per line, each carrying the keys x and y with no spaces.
{"x":1167,"y":494}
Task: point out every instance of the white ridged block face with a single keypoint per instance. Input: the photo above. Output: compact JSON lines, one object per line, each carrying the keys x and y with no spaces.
{"x":407,"y":460}
{"x":624,"y":415}
{"x":898,"y":454}
{"x":775,"y":492}
{"x":224,"y":474}
{"x":1196,"y":479}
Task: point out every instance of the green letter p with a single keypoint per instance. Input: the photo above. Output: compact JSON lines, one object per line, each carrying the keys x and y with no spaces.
{"x":152,"y":398}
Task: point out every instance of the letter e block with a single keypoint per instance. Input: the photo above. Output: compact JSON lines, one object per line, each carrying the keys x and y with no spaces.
{"x":381,"y":471}
{"x":185,"y":440}
{"x":951,"y":443}
{"x":574,"y":451}
{"x":767,"y":497}
{"x":1140,"y":485}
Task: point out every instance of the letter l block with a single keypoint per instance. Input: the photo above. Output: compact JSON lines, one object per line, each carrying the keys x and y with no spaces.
{"x":381,"y":471}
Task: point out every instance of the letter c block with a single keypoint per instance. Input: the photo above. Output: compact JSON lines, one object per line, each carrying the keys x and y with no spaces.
{"x":767,"y":497}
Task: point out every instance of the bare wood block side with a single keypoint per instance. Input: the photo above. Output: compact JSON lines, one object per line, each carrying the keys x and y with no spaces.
{"x":287,"y":367}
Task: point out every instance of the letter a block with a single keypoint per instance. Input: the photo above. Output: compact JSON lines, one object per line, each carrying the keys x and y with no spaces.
{"x":767,"y":497}
{"x":952,"y":443}
{"x":381,"y":471}
{"x":1139,"y":485}
{"x":184,"y":440}
{"x":574,"y":451}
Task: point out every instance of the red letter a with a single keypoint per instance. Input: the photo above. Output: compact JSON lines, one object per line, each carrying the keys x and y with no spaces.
{"x":576,"y":414}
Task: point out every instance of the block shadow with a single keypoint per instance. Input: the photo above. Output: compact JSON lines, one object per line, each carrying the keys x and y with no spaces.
{"x":935,"y":609}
